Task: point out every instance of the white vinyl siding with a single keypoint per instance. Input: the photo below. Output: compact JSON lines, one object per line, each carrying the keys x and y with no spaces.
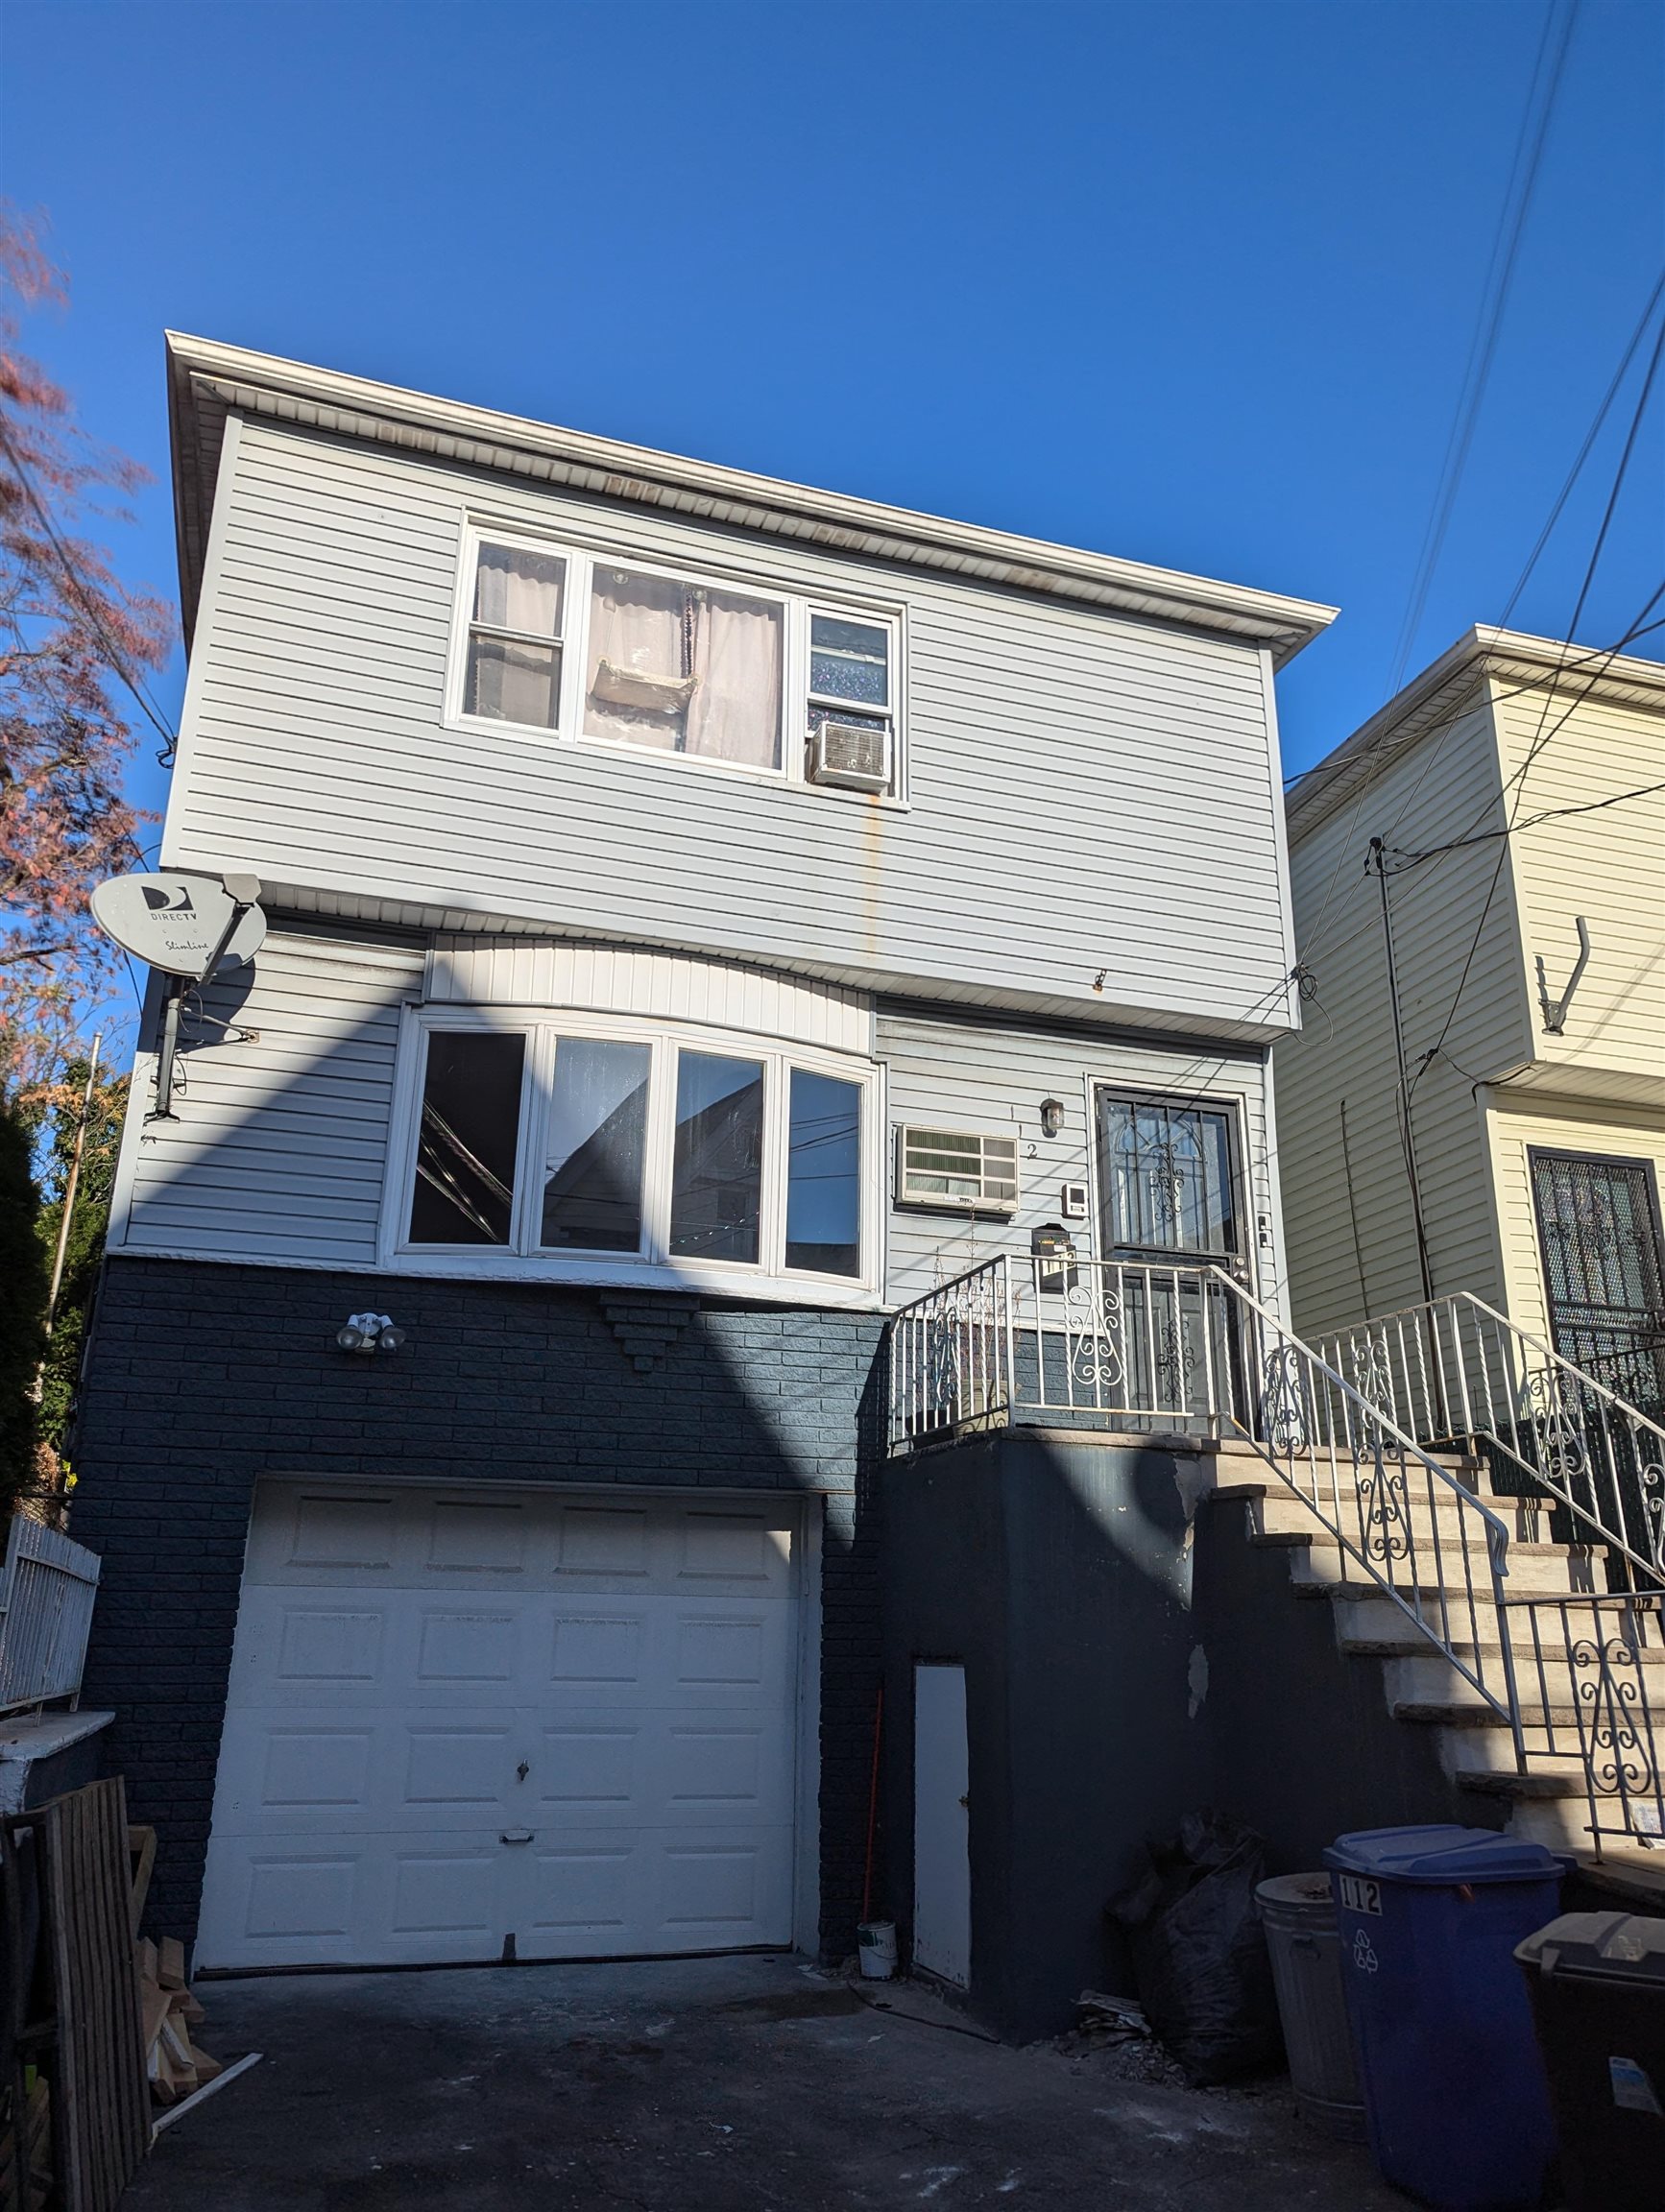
{"x":959,"y":1076}
{"x":279,"y":1148}
{"x":1090,"y":797}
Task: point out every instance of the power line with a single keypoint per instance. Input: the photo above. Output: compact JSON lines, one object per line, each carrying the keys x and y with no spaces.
{"x":86,"y":599}
{"x":1514,"y":829}
{"x":1483,"y":349}
{"x":1584,"y":450}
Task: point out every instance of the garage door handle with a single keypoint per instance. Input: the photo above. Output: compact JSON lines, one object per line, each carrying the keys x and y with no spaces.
{"x":517,"y":1836}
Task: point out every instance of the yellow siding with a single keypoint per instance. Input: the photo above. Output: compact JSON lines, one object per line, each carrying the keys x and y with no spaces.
{"x":1608,"y":865}
{"x":1436,"y":790}
{"x":1618,"y":1132}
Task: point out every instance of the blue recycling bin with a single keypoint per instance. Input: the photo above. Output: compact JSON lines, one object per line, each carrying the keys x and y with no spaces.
{"x":1454,"y":2084}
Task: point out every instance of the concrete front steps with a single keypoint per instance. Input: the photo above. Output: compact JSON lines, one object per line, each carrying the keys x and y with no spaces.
{"x":1547,"y":1803}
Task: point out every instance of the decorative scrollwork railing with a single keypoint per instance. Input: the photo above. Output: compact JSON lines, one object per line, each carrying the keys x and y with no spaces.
{"x":1458,"y":1370}
{"x":1593,"y":1673}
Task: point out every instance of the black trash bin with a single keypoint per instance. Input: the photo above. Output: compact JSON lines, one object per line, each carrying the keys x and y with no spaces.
{"x":1598,"y":1992}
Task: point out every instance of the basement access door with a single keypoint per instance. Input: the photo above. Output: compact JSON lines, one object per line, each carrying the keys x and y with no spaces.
{"x":464,"y":1725}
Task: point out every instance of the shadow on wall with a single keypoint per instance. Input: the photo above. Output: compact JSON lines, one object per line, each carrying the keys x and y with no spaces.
{"x":205,"y":1375}
{"x":1128,"y":1656}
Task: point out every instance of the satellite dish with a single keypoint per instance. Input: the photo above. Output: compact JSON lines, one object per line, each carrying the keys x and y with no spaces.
{"x":184,"y":925}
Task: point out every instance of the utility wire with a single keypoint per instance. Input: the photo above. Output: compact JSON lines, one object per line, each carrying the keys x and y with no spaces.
{"x":84,"y":597}
{"x":1482,"y":349}
{"x":1514,"y":829}
{"x":1590,"y":437}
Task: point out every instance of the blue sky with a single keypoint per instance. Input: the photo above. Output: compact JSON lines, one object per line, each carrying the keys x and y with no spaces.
{"x":1192,"y":283}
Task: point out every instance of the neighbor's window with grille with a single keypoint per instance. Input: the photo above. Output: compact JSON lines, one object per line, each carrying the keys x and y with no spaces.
{"x":1166,"y":1172}
{"x":516,"y":623}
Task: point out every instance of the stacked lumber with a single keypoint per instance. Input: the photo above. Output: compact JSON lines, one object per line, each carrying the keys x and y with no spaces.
{"x":175,"y":2064}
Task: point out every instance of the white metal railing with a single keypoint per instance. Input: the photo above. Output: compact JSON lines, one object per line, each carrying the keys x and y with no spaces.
{"x":47,"y":1587}
{"x":1189,"y":1347}
{"x":1457,"y":1370}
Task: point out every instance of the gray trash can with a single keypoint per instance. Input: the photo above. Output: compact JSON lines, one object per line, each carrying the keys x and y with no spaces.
{"x":1298,"y":1913}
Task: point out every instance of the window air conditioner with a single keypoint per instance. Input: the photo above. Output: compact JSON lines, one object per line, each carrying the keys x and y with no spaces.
{"x":960,"y":1171}
{"x":851,"y":756}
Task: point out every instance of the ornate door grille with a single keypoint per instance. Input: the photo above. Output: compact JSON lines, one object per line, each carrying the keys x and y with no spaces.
{"x":1599,"y":1229}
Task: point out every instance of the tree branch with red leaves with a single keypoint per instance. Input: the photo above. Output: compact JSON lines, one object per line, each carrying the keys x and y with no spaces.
{"x":73,"y":639}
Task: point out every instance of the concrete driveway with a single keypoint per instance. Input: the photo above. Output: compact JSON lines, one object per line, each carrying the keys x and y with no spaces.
{"x":749,"y":2084}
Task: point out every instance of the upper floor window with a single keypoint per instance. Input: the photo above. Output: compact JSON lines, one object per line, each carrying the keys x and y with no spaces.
{"x":601,"y":1139}
{"x":565,"y":643}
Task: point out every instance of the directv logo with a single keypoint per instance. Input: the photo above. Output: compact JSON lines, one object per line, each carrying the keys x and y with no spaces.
{"x":161,"y":901}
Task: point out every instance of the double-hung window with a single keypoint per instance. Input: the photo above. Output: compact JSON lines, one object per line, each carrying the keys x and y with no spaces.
{"x":590,"y":1145}
{"x":564,"y":643}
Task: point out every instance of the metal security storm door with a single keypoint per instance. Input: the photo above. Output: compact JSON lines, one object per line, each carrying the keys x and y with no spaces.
{"x":1599,"y":1229}
{"x":1168,"y":1190}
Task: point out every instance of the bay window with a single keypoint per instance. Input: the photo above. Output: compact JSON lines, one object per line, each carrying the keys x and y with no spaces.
{"x":593,"y":1145}
{"x":564,"y":644}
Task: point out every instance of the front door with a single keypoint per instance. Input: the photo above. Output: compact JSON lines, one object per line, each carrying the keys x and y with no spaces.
{"x":1168,"y":1186}
{"x":1604,"y":1276}
{"x":941,"y":1825}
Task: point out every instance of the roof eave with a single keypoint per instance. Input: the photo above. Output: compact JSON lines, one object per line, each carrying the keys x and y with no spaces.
{"x":262,"y":384}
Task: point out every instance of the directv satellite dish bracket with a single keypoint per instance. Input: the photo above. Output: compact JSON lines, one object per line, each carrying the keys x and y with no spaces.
{"x":163,"y":1109}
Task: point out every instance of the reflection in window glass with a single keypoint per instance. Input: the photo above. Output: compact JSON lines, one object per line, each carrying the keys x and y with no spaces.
{"x":824,"y":1175}
{"x":597,"y":1145}
{"x":716,"y":1176}
{"x":464,"y":1178}
{"x":849,"y":660}
{"x":683,"y":667}
{"x":1166,"y":1174}
{"x":514,"y":670}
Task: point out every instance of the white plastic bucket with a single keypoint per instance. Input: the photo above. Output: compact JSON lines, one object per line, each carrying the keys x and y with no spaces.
{"x":1299,"y":1918}
{"x":876,"y":1944}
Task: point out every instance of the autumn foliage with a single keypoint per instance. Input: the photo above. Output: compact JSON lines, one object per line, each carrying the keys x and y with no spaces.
{"x":70,"y":632}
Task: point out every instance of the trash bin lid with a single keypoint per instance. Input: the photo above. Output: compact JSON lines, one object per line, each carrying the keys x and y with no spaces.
{"x":1626,"y":1947}
{"x":1445,"y":1854}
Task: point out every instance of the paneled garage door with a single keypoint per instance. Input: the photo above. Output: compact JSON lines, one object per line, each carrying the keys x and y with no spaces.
{"x":467,"y":1724}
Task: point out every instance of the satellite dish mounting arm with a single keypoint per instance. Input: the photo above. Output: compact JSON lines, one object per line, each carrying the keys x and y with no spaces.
{"x":1554,"y":1010}
{"x":243,"y":892}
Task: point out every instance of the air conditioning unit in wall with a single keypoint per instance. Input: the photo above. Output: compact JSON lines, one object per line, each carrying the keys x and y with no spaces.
{"x":956,"y":1170}
{"x":850,"y":755}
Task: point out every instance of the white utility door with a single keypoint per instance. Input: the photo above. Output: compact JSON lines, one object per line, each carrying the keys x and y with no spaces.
{"x":941,"y":1825}
{"x":466,"y":1725}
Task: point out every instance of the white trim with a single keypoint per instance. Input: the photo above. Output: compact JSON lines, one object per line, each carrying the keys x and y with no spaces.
{"x":807,"y":1795}
{"x":357,"y":406}
{"x":654,"y":1265}
{"x":1280,"y":834}
{"x":197,"y":659}
{"x":134,"y":1123}
{"x":581,"y":557}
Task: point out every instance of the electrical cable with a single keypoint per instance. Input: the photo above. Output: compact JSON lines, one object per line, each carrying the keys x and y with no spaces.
{"x":1513,"y":830}
{"x":1483,"y":349}
{"x":88,"y":605}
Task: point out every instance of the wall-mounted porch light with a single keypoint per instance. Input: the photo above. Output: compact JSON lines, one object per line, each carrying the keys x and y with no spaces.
{"x":370,"y":1333}
{"x":1051,"y":1117}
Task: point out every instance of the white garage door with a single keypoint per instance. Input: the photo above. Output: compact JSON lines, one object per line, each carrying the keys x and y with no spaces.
{"x":466,"y":1724}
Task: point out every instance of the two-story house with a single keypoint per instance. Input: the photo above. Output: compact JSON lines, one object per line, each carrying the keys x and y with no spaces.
{"x":704,"y":915}
{"x":1473,"y":1116}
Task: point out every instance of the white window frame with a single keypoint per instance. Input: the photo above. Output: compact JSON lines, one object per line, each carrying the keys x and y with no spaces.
{"x":796,"y":702}
{"x":654,"y":1265}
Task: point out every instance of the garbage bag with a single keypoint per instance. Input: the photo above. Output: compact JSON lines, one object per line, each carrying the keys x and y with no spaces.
{"x":1200,"y":1954}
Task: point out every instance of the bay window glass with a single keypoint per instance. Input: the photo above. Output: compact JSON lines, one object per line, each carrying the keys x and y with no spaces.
{"x":463,"y":1192}
{"x":824,"y":1174}
{"x":514,"y":630}
{"x":596,"y":1147}
{"x":717,"y":1167}
{"x":683,"y":667}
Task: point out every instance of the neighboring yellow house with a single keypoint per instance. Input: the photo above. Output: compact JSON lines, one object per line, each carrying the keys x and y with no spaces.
{"x":1536,"y":1109}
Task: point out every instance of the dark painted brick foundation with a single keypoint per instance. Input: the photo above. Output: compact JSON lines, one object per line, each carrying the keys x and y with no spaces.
{"x":203,"y":1377}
